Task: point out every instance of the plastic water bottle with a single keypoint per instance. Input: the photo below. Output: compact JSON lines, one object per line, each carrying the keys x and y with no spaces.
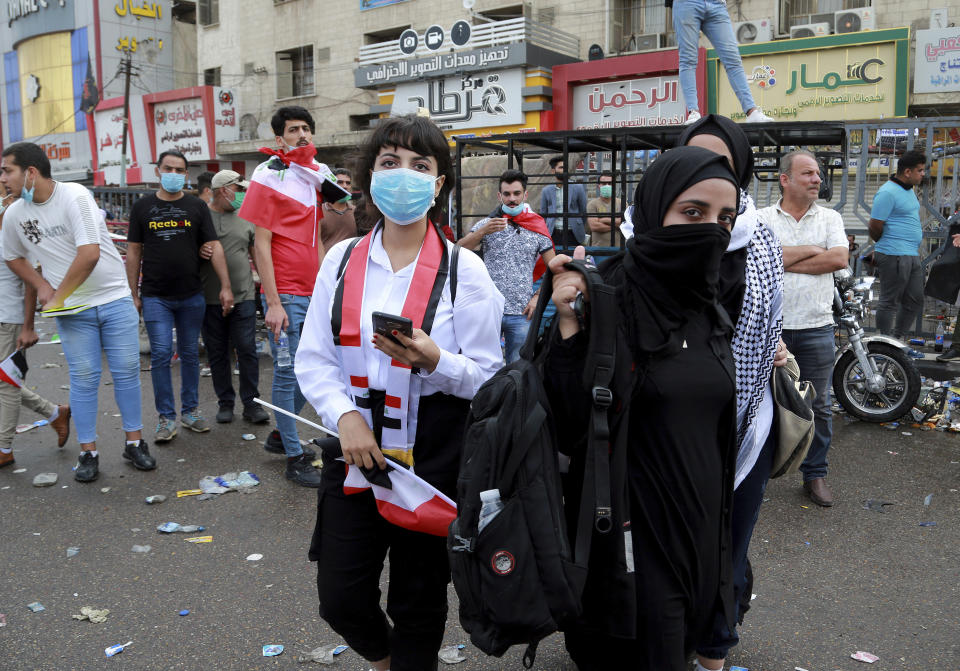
{"x":938,"y":338}
{"x":490,"y":508}
{"x":283,"y":352}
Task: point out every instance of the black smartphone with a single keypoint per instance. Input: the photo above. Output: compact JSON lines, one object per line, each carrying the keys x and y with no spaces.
{"x":384,"y":324}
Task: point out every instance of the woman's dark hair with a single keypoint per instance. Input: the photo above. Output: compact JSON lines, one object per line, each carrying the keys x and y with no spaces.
{"x":278,"y":122}
{"x":910,"y":159}
{"x":29,"y":155}
{"x":416,"y":133}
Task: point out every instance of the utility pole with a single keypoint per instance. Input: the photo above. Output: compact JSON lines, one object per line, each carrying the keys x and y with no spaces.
{"x":125,"y":68}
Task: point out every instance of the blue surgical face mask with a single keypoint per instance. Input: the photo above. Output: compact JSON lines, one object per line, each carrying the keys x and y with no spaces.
{"x":402,"y":195}
{"x":512,"y":211}
{"x":172,"y":182}
{"x":27,"y":193}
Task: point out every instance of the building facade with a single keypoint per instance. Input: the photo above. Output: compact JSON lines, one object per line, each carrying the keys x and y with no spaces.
{"x":62,"y":57}
{"x":351,"y":63}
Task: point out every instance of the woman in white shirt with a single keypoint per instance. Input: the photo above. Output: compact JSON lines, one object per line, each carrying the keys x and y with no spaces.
{"x":408,"y":401}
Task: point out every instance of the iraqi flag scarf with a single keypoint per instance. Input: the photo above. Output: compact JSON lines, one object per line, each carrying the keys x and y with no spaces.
{"x":403,"y":387}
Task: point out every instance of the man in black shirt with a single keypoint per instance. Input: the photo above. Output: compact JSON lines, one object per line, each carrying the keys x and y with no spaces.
{"x":166,"y":232}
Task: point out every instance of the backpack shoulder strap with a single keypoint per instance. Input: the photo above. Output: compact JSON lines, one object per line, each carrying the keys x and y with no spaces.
{"x":337,"y":313}
{"x":454,"y":260}
{"x":346,"y":257}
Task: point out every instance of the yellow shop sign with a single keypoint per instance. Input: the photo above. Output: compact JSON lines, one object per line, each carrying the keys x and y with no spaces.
{"x":839,"y":77}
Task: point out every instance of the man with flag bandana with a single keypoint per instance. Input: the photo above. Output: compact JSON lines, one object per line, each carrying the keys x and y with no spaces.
{"x":515,"y":245}
{"x":284,"y":203}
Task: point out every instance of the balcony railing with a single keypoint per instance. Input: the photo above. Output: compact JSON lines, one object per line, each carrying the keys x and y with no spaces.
{"x":485,"y":35}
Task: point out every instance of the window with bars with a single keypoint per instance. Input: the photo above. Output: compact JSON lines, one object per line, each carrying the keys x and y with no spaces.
{"x":801,"y":12}
{"x":639,"y":25}
{"x":211,"y":77}
{"x":295,"y":72}
{"x":209,"y":11}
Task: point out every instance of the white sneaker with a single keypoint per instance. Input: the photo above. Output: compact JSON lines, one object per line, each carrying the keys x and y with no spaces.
{"x":693,"y":116}
{"x":757,"y":116}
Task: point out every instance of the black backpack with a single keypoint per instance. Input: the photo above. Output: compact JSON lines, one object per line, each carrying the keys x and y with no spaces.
{"x":518,"y":580}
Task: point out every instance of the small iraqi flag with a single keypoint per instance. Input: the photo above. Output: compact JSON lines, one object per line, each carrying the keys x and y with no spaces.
{"x":409,"y":502}
{"x":13,"y":369}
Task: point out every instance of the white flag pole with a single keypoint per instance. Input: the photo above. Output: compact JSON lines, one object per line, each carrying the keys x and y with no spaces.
{"x":296,"y":417}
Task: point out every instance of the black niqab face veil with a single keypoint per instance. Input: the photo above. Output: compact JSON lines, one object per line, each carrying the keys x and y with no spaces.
{"x":671,"y":273}
{"x":732,"y":136}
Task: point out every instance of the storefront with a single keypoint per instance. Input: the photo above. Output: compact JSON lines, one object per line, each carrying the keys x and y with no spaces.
{"x":468,"y":89}
{"x":639,"y":90}
{"x":845,"y":77}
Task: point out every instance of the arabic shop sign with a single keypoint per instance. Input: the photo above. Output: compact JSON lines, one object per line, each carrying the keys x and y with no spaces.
{"x":854,"y":82}
{"x":937,"y":63}
{"x":469,"y":101}
{"x":180,"y":125}
{"x":144,"y":30}
{"x":17,"y":9}
{"x":440,"y":65}
{"x":225,"y":115}
{"x":653,"y":101}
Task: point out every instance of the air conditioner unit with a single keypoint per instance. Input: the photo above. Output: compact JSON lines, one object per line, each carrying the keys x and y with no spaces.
{"x":810,"y":30}
{"x":855,"y":20}
{"x":826,"y":17}
{"x":647,"y":42}
{"x":748,"y":32}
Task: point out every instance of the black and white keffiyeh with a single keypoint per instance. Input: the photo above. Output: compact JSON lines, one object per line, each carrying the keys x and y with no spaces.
{"x":757,"y":331}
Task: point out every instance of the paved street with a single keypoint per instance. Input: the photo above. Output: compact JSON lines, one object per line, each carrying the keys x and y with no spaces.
{"x":829,"y":582}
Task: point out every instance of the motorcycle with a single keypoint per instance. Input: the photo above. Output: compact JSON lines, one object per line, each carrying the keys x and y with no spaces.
{"x":874,"y":379}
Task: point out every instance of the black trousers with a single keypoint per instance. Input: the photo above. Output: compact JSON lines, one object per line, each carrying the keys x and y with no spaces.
{"x":351,"y":541}
{"x":222,"y":334}
{"x":350,"y":544}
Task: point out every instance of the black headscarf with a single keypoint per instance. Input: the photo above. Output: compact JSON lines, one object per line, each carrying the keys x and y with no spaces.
{"x":671,"y":273}
{"x":734,"y":264}
{"x":732,"y":136}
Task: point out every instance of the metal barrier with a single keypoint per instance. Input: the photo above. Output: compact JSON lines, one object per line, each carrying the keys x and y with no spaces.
{"x":857,"y":158}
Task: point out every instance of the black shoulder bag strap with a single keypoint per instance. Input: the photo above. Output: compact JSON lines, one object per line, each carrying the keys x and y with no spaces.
{"x":600,"y":320}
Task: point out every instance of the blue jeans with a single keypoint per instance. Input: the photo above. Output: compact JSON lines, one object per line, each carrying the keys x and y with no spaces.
{"x":111,"y":329}
{"x":514,"y":329}
{"x":710,"y":16}
{"x":286,"y":391}
{"x":161,"y":315}
{"x":746,"y":509}
{"x":814,"y":349}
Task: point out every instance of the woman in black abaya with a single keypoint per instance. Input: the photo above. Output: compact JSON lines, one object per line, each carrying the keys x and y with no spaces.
{"x":655,"y":581}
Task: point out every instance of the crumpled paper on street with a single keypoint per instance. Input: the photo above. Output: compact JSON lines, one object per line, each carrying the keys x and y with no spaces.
{"x":92,"y":614}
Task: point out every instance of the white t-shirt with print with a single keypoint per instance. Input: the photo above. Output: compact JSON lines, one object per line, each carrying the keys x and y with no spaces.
{"x":11,"y":295}
{"x":49,"y":233}
{"x":807,"y":299}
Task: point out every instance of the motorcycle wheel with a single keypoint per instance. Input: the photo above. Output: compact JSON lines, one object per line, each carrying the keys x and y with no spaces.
{"x":898,"y":396}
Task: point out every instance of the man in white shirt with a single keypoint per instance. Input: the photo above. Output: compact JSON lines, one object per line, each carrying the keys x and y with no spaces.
{"x":59,"y":226}
{"x":814,"y":246}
